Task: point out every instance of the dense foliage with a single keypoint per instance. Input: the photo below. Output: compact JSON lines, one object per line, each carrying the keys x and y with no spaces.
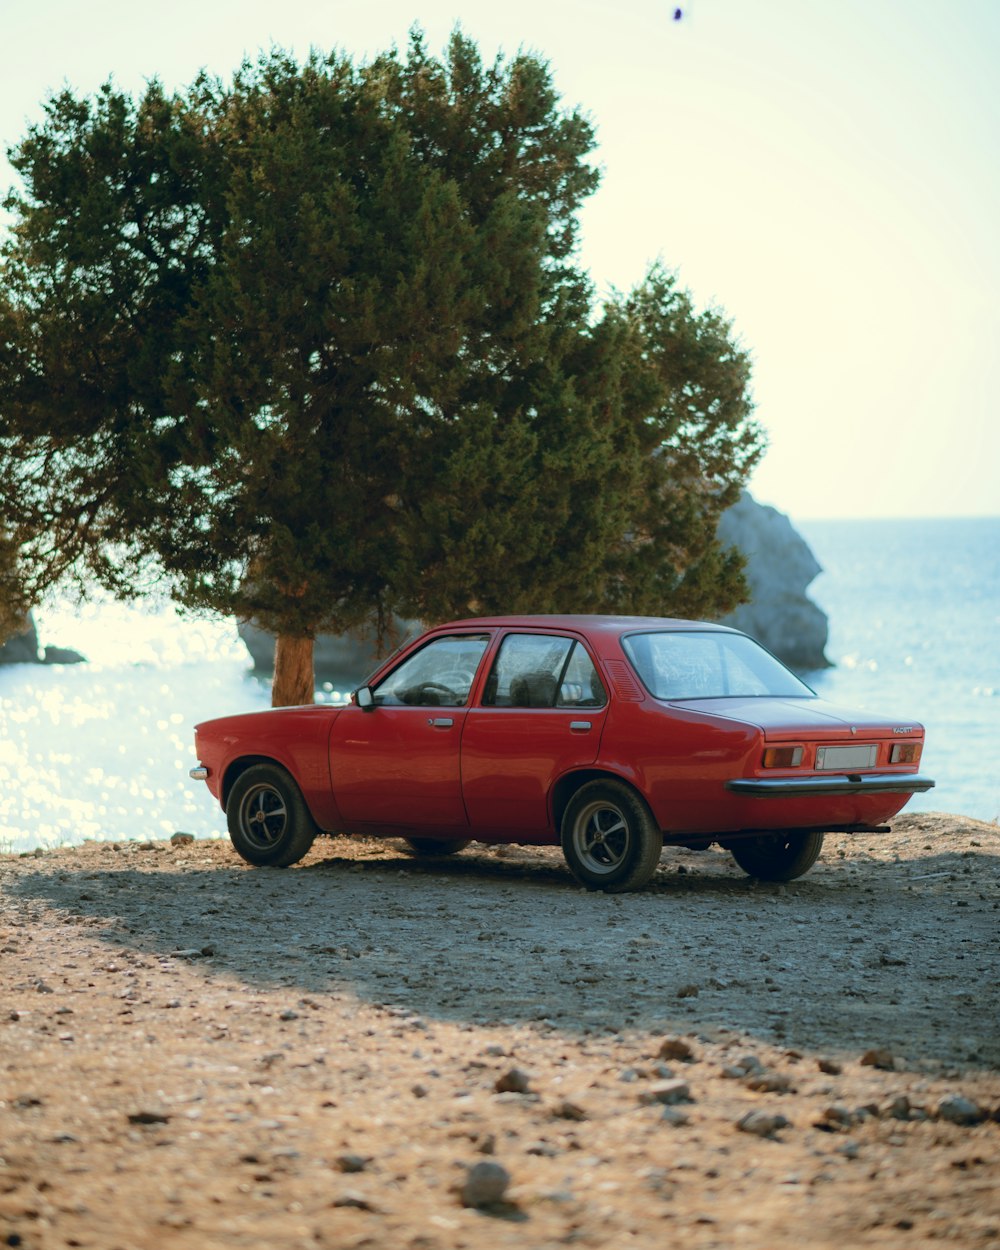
{"x":314,"y":348}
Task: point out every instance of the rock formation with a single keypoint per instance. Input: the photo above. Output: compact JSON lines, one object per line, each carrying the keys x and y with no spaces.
{"x":780,"y":566}
{"x":23,"y":648}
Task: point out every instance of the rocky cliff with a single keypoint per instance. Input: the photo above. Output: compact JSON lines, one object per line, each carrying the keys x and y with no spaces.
{"x":780,"y":567}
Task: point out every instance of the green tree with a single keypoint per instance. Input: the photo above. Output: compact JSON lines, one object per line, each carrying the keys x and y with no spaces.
{"x":314,"y":349}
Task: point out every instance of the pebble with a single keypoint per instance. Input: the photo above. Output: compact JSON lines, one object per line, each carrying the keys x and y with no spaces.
{"x":181,"y":839}
{"x":830,"y":1066}
{"x":516,"y":1081}
{"x":676,"y":1048}
{"x":879,"y":1057}
{"x":762,"y":1123}
{"x":768,"y":1082}
{"x":148,"y":1117}
{"x":567,"y":1110}
{"x":666,"y":1093}
{"x":352,"y":1163}
{"x":959,"y":1110}
{"x":485,"y":1184}
{"x":835,"y":1117}
{"x":895,"y":1108}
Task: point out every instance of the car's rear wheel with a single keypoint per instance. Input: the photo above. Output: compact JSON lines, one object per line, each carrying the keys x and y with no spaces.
{"x":431,"y":847}
{"x":609,"y":837}
{"x":778,"y":856}
{"x":269,"y":823}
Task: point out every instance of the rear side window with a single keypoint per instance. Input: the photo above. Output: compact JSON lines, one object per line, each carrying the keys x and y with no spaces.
{"x":542,"y":670}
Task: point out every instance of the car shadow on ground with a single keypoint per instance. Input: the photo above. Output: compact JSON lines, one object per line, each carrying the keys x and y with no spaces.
{"x":859,"y":951}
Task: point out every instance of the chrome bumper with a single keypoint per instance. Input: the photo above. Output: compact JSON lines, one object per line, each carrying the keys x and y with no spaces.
{"x":853,"y":783}
{"x":198,"y":774}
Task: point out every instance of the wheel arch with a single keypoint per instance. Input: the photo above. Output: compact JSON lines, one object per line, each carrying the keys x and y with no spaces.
{"x":236,"y":768}
{"x":570,"y":783}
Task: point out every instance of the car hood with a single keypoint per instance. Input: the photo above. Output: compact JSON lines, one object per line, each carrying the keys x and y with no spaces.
{"x":787,"y":719}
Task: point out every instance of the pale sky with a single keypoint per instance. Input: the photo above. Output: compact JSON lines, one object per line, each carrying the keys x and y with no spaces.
{"x":826,"y":171}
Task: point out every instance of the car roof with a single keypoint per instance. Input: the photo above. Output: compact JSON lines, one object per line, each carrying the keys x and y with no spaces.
{"x":583,"y":623}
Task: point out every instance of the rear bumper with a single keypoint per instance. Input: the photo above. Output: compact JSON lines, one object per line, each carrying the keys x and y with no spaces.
{"x":854,"y":783}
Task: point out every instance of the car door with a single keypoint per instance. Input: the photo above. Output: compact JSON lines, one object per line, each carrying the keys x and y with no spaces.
{"x":541,"y":714}
{"x":397,"y":764}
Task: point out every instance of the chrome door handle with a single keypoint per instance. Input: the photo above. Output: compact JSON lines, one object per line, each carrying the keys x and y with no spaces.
{"x":440,"y":722}
{"x":579,"y":725}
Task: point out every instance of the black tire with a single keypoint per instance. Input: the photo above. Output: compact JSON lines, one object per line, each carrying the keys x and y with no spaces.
{"x":609,"y":837}
{"x":430,"y":848}
{"x":269,"y":823}
{"x":778,"y":856}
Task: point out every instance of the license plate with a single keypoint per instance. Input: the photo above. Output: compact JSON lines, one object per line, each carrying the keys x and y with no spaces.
{"x":846,"y":759}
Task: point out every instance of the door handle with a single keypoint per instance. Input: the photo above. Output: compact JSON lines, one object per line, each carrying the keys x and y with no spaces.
{"x":440,"y":722}
{"x":581,"y":726}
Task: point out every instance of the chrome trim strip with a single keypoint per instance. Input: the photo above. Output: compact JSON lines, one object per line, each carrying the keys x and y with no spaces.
{"x":776,"y":787}
{"x":198,"y":774}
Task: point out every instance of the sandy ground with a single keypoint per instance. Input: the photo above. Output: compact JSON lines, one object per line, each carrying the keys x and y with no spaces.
{"x":368,"y":1050}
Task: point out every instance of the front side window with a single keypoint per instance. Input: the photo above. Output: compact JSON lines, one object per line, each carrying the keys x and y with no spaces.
{"x":541,"y":670}
{"x":709,"y":665}
{"x":439,"y":675}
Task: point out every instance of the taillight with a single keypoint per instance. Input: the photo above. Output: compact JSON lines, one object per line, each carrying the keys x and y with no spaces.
{"x":782,"y":757}
{"x":905,"y":753}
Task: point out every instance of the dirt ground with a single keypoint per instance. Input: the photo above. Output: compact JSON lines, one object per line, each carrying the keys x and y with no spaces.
{"x":372,"y":1051}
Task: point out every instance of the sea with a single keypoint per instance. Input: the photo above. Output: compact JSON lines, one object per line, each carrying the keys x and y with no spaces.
{"x":101,"y":750}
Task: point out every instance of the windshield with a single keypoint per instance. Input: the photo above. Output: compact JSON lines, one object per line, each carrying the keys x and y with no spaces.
{"x":709,"y":665}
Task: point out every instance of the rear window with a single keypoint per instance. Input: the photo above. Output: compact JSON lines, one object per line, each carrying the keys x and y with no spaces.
{"x":709,"y":665}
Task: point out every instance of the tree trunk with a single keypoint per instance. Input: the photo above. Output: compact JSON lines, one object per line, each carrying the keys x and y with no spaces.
{"x":293,"y":683}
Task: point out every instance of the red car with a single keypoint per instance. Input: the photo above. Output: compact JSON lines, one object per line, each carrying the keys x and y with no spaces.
{"x":609,"y":736}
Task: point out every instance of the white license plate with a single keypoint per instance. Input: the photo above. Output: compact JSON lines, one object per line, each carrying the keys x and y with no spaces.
{"x":846,"y":759}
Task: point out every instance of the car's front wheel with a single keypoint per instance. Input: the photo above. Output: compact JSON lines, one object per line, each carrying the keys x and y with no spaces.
{"x":778,"y":856}
{"x":269,"y":823}
{"x":609,"y":837}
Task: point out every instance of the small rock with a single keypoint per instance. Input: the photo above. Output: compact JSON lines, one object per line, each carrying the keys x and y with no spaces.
{"x":830,"y":1066}
{"x":835,"y":1117}
{"x":895,"y":1108}
{"x":675,"y":1117}
{"x":289,"y":1014}
{"x":148,"y":1117}
{"x":567,"y":1110}
{"x":352,"y":1163}
{"x":357,"y":1201}
{"x":485,"y":1184}
{"x":676,"y":1048}
{"x":768,"y":1082}
{"x":181,"y":839}
{"x":516,"y":1081}
{"x":419,"y":1091}
{"x":879,"y":1057}
{"x":849,"y":1149}
{"x":666,"y":1093}
{"x":762,"y":1123}
{"x":959,"y":1110}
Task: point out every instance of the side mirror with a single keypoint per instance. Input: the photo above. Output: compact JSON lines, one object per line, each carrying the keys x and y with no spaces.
{"x":364,"y":698}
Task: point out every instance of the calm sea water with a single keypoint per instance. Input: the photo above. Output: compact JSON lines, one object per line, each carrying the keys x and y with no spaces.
{"x":102,"y":750}
{"x":914,"y":610}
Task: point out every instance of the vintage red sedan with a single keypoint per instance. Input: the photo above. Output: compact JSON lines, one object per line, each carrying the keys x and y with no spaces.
{"x":609,"y":736}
